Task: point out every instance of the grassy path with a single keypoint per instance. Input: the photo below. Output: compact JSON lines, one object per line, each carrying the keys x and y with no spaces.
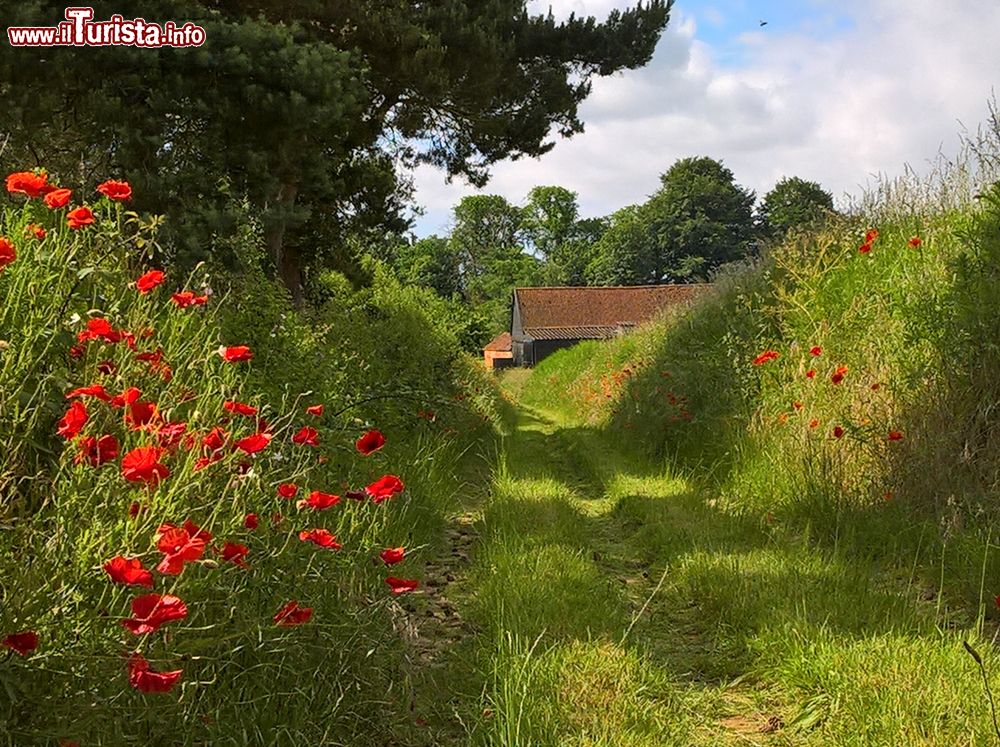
{"x":606,"y":602}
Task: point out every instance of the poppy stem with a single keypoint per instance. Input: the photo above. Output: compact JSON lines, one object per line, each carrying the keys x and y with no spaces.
{"x":986,"y":683}
{"x":639,"y":614}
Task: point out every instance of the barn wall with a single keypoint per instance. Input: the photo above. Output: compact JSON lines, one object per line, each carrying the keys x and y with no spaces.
{"x":545,"y":348}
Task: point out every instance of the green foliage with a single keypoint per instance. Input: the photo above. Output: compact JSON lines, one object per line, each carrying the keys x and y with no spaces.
{"x":793,"y":203}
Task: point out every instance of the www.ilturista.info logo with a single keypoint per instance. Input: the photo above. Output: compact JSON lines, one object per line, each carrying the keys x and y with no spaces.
{"x":80,"y":30}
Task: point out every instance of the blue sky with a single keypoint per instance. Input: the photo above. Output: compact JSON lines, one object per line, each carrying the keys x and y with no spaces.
{"x":841,"y":92}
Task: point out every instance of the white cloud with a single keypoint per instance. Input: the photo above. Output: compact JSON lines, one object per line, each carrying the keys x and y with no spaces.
{"x":836,"y":107}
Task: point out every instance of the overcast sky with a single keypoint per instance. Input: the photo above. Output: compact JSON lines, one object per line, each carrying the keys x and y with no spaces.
{"x":835,"y":91}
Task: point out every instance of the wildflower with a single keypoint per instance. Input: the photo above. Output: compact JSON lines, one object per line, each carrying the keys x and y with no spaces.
{"x":888,"y":495}
{"x":255,"y":443}
{"x":234,"y":552}
{"x":914,"y":242}
{"x":99,"y":329}
{"x":239,"y":408}
{"x":147,"y":282}
{"x":813,"y":423}
{"x":95,"y":390}
{"x":128,"y":571}
{"x":797,"y":405}
{"x":141,"y":415}
{"x":401,"y":585}
{"x":839,"y":374}
{"x":895,"y":436}
{"x":180,"y":545}
{"x":7,"y":252}
{"x":288,"y":490}
{"x":145,"y":680}
{"x":838,"y":432}
{"x":127,"y":398}
{"x":316,"y":410}
{"x":811,"y":373}
{"x":170,"y":435}
{"x":58,"y":198}
{"x":23,"y":643}
{"x":871,"y":235}
{"x":393,"y":555}
{"x":73,"y":421}
{"x":320,"y":537}
{"x":36,"y":230}
{"x":108,"y":368}
{"x":251,"y":521}
{"x":384,"y":488}
{"x":864,"y":248}
{"x":815,"y":351}
{"x":214,"y":440}
{"x":143,"y":465}
{"x":875,"y":387}
{"x":320,"y":501}
{"x":114,"y":190}
{"x":371,"y":442}
{"x":292,"y":614}
{"x":134,"y":509}
{"x":236,"y":354}
{"x":355,"y":495}
{"x":150,"y":611}
{"x":82,"y":216}
{"x":97,"y":451}
{"x":28,"y":183}
{"x":306,"y":436}
{"x":184,"y":299}
{"x":767,"y":355}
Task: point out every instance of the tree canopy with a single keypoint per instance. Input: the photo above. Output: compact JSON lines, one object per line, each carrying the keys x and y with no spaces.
{"x":312,"y":109}
{"x":792,"y":203}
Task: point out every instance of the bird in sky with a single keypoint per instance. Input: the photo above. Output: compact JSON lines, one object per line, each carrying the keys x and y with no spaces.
{"x":763,"y":23}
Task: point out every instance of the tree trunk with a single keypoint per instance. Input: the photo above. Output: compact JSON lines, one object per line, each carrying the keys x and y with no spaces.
{"x":287,"y":260}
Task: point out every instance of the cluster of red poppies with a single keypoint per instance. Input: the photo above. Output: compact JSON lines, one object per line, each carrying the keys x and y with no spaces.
{"x":149,"y":464}
{"x":837,"y":376}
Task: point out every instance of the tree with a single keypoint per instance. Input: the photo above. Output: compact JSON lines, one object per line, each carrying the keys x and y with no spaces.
{"x":699,"y":219}
{"x":626,"y":254}
{"x":792,"y":203}
{"x":485,"y":226}
{"x":431,"y":262}
{"x":549,"y":216}
{"x":307,"y":106}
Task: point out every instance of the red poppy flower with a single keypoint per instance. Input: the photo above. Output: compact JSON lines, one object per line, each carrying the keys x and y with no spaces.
{"x":108,"y":368}
{"x":815,"y":351}
{"x":895,"y":436}
{"x":255,"y":443}
{"x":356,"y":495}
{"x":97,"y":451}
{"x":813,"y":423}
{"x":128,"y":397}
{"x":99,"y":329}
{"x":27,"y":183}
{"x":73,"y":421}
{"x":321,"y":537}
{"x":384,"y":488}
{"x":767,"y":355}
{"x":888,"y":495}
{"x":838,"y":432}
{"x":184,"y":299}
{"x":864,"y":248}
{"x":143,"y":465}
{"x":320,"y":501}
{"x":141,"y":415}
{"x":316,"y":410}
{"x":292,"y":614}
{"x":82,"y":216}
{"x":145,"y":680}
{"x":150,"y":611}
{"x":214,"y":440}
{"x":236,"y":354}
{"x":58,"y":198}
{"x":234,"y":552}
{"x":915,"y":242}
{"x":239,"y":408}
{"x":428,"y":415}
{"x":36,"y":230}
{"x":250,"y":521}
{"x":115,"y":190}
{"x":7,"y":252}
{"x":371,"y":442}
{"x":288,"y":490}
{"x":401,"y":585}
{"x":180,"y":545}
{"x":393,"y":555}
{"x":875,"y":387}
{"x":150,"y":280}
{"x":306,"y":436}
{"x":95,"y":390}
{"x":871,"y":235}
{"x":797,"y":405}
{"x":128,"y":571}
{"x":23,"y":643}
{"x":839,"y":374}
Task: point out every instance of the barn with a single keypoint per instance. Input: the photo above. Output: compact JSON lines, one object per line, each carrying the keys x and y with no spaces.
{"x":544,"y":320}
{"x":497,"y":353}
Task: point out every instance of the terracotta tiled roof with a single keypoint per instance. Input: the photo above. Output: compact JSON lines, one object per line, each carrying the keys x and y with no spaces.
{"x":567,"y":313}
{"x":500,"y":343}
